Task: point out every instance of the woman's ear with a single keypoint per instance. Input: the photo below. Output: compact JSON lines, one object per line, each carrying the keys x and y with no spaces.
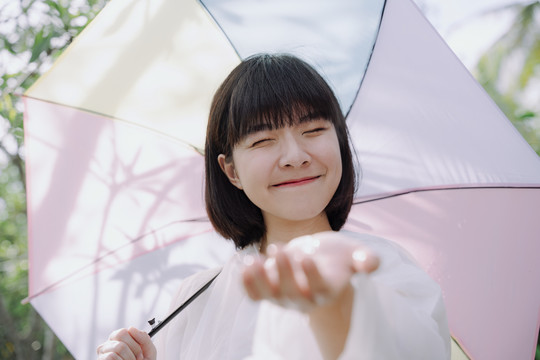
{"x":227,"y":166}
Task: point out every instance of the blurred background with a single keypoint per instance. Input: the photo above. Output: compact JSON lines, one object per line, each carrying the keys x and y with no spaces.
{"x":497,"y":40}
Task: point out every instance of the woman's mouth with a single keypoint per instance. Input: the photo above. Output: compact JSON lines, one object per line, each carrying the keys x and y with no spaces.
{"x":297,"y":182}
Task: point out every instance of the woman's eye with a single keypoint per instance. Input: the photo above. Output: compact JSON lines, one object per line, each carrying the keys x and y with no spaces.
{"x":259,"y":142}
{"x":315,"y":130}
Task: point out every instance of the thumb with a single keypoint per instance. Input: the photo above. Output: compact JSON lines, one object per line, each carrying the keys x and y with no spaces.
{"x":364,"y":261}
{"x":144,"y":340}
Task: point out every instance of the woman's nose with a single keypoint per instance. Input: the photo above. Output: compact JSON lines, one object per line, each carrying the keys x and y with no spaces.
{"x":293,"y":152}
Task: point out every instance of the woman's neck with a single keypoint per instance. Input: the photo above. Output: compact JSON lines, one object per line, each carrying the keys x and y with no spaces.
{"x":281,"y":231}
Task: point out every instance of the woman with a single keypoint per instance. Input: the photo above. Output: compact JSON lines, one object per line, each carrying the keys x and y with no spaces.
{"x":280,"y":181}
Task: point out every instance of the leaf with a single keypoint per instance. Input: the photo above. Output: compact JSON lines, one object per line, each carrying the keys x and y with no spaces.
{"x":6,"y":44}
{"x":55,"y":6}
{"x":37,"y":48}
{"x":527,"y":115}
{"x":18,"y":133}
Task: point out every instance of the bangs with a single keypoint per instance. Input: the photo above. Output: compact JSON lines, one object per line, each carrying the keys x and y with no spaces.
{"x":272,"y":94}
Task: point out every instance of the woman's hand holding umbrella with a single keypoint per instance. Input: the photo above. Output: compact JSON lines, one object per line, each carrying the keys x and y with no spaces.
{"x":127,"y":344}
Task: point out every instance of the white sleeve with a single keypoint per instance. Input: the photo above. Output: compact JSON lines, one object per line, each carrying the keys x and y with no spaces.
{"x":398,"y":311}
{"x":168,"y":341}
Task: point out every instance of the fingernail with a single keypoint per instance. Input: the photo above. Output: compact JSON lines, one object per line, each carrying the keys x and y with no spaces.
{"x":248,"y":260}
{"x":365,"y":261}
{"x":359,"y":255}
{"x":271,"y":250}
{"x":270,"y":263}
{"x":312,"y":246}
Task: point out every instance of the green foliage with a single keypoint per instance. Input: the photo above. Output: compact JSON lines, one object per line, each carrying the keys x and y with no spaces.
{"x":510,"y":70}
{"x":33,"y":33}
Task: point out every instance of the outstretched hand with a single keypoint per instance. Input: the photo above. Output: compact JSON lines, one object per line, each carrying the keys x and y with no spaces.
{"x":309,"y":271}
{"x":127,"y":344}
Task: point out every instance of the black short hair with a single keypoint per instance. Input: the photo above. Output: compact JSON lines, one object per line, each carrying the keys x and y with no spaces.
{"x":270,"y":90}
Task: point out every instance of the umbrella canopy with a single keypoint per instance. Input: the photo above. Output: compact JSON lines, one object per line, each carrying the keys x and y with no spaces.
{"x":115,"y":129}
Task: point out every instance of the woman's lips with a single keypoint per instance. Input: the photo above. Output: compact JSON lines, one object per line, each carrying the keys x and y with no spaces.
{"x":297,"y":182}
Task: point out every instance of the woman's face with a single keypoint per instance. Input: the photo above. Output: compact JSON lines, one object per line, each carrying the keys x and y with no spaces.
{"x":290,"y":173}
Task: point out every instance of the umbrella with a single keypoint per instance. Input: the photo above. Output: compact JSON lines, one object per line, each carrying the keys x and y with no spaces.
{"x":115,"y":129}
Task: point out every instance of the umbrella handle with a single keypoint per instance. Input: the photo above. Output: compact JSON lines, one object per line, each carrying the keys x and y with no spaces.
{"x":161,"y":324}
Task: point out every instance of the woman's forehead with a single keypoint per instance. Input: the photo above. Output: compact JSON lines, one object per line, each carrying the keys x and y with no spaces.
{"x":270,"y":123}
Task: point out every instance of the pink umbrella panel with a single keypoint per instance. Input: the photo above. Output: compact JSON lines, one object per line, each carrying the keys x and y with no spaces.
{"x":113,"y":138}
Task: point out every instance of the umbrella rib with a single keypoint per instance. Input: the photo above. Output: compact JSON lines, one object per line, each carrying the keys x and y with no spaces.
{"x":198,"y":150}
{"x":161,"y":324}
{"x":216,"y":22}
{"x":369,"y":59}
{"x":400,"y":193}
{"x":100,"y":258}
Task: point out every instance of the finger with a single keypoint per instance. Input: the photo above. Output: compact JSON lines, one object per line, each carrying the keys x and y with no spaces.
{"x":109,"y":356}
{"x":288,"y":284}
{"x":364,"y":261}
{"x":122,"y":336}
{"x":318,"y":288}
{"x":249,"y":284}
{"x":104,"y":353}
{"x":113,"y":349}
{"x":143,"y":339}
{"x":272,"y":250}
{"x":257,"y":282}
